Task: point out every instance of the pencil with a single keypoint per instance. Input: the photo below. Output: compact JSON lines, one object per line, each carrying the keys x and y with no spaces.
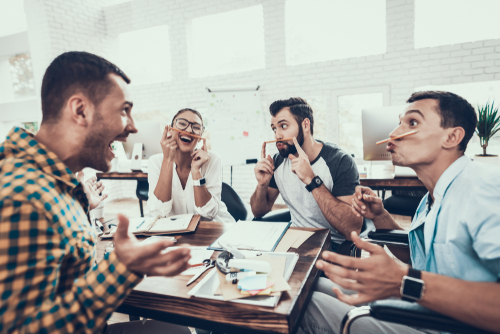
{"x":187,"y":133}
{"x":198,"y":264}
{"x":277,"y":140}
{"x":397,"y":137}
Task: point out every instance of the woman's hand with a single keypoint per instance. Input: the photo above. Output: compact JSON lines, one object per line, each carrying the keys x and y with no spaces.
{"x":93,"y":190}
{"x":168,"y":144}
{"x":200,"y":157}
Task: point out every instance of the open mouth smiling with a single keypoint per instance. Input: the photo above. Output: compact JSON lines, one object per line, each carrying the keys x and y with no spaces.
{"x":186,"y":139}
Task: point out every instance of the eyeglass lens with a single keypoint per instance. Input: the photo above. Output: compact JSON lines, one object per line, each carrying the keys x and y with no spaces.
{"x":182,"y":124}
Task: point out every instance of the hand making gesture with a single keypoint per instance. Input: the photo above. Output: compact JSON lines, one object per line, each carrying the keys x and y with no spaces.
{"x":366,"y":203}
{"x":200,"y":157}
{"x":264,"y":169}
{"x":168,"y":144}
{"x":148,"y":259}
{"x":301,"y":165}
{"x":377,"y":277}
{"x":93,"y":190}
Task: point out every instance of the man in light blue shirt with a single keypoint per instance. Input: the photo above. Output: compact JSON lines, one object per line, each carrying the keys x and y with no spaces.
{"x":454,"y":237}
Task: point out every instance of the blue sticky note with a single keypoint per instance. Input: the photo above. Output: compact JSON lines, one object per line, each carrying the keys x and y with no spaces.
{"x":258,"y":282}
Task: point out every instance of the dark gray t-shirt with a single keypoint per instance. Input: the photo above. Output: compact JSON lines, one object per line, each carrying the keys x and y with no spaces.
{"x":340,"y":176}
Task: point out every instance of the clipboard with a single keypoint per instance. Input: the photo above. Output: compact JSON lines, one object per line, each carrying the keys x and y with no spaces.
{"x":255,"y":225}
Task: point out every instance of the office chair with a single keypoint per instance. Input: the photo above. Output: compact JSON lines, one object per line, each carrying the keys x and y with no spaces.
{"x":235,"y":206}
{"x":402,"y":312}
{"x":409,"y":314}
{"x":142,"y":191}
{"x":281,"y":215}
{"x":402,"y":205}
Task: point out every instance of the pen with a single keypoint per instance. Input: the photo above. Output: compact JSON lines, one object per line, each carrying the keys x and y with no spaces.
{"x":141,"y":223}
{"x":277,"y":140}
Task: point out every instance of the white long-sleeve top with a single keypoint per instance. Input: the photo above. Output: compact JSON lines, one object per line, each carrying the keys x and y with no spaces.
{"x":183,"y":201}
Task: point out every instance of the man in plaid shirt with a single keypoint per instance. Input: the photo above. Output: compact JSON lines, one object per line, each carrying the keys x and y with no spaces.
{"x":48,"y":280}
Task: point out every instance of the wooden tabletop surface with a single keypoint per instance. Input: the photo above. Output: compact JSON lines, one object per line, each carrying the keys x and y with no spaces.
{"x":166,"y":298}
{"x":406,"y":182}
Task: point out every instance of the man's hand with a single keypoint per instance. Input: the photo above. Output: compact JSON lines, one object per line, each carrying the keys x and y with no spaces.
{"x":148,"y":259}
{"x":93,"y":190}
{"x":301,"y":165}
{"x":264,"y":169}
{"x":377,"y":277}
{"x":200,"y":157}
{"x":168,"y":144}
{"x":366,"y":203}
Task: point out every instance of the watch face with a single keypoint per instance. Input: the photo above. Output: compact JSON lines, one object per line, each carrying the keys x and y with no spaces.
{"x":412,"y":288}
{"x":318,"y":181}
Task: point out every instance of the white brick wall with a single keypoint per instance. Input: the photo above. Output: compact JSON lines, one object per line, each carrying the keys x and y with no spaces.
{"x":56,"y":26}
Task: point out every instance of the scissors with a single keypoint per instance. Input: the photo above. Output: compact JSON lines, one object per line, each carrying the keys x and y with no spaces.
{"x":209,"y":264}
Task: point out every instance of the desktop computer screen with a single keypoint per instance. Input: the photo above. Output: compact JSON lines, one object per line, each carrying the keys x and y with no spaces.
{"x":149,"y":135}
{"x":377,"y":124}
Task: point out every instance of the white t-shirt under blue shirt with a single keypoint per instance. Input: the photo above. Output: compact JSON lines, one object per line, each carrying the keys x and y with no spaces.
{"x":340,"y":176}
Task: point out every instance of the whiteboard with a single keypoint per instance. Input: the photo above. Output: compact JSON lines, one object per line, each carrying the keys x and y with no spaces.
{"x":236,"y":125}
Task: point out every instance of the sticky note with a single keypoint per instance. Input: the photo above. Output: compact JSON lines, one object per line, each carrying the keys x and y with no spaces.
{"x":258,"y":282}
{"x":245,"y":133}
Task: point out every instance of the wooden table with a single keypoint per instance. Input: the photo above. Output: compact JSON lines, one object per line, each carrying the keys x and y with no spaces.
{"x":138,"y":176}
{"x":166,"y":298}
{"x":392,"y":183}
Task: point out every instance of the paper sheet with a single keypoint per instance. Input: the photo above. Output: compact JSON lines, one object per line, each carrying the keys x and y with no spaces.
{"x":230,"y":291}
{"x":293,"y":239}
{"x":198,"y":254}
{"x":174,"y":223}
{"x":253,"y":235}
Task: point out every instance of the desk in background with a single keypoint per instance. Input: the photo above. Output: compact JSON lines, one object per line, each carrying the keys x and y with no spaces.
{"x":400,"y":183}
{"x":166,"y":298}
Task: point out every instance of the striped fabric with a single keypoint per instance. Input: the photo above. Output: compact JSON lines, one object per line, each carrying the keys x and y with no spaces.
{"x":48,"y":280}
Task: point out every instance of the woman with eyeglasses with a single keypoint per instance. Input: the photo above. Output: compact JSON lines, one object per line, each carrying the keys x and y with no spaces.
{"x":184,"y":179}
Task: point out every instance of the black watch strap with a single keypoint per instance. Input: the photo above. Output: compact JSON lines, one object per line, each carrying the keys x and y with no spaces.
{"x":315,"y":183}
{"x":414,"y":274}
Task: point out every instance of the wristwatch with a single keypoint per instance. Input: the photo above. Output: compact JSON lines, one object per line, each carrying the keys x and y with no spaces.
{"x":199,"y":183}
{"x":412,"y":286}
{"x":315,"y":183}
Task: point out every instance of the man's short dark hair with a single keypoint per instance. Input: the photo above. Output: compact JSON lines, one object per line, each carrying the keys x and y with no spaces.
{"x":299,"y":108}
{"x":454,"y":111}
{"x":75,"y":71}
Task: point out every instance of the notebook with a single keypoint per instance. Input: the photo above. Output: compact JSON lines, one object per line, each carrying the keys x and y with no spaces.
{"x":160,"y":226}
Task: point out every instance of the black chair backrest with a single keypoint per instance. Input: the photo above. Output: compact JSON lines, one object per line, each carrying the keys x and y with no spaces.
{"x":142,"y":190}
{"x":234,"y":204}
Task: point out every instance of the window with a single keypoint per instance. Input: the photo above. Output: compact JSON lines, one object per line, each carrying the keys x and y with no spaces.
{"x":16,"y":78}
{"x":350,"y":126}
{"x":228,"y":42}
{"x":145,"y":55}
{"x":12,"y":17}
{"x":321,"y":30}
{"x":442,"y":22}
{"x":476,"y":93}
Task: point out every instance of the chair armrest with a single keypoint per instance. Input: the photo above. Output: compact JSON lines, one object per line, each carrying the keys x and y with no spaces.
{"x":282,"y":215}
{"x":389,"y":237}
{"x":412,"y":314}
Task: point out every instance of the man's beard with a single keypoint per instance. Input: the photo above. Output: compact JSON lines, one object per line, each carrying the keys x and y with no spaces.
{"x":95,"y":146}
{"x":291,"y":149}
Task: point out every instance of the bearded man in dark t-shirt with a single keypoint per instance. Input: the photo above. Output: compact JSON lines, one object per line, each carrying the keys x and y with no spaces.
{"x":316,"y":180}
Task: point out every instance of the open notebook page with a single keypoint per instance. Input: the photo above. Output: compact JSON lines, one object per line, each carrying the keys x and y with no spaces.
{"x":174,"y":223}
{"x":138,"y":225}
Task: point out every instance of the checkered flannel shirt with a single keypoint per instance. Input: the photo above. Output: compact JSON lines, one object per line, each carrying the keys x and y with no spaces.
{"x":48,"y":280}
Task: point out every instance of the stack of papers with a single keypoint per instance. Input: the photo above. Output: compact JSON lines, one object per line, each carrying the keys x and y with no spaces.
{"x":253,"y":235}
{"x":256,"y":285}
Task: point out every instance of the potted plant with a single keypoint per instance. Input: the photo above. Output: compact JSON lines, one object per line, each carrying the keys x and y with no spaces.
{"x":488,"y":124}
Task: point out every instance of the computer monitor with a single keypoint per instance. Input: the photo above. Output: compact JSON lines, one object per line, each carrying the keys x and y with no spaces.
{"x":377,"y":124}
{"x":149,"y":134}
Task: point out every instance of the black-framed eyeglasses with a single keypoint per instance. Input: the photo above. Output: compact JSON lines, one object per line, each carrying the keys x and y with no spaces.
{"x":183,"y":124}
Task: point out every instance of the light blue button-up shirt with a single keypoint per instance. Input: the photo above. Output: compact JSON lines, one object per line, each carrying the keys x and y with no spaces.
{"x":460,"y":235}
